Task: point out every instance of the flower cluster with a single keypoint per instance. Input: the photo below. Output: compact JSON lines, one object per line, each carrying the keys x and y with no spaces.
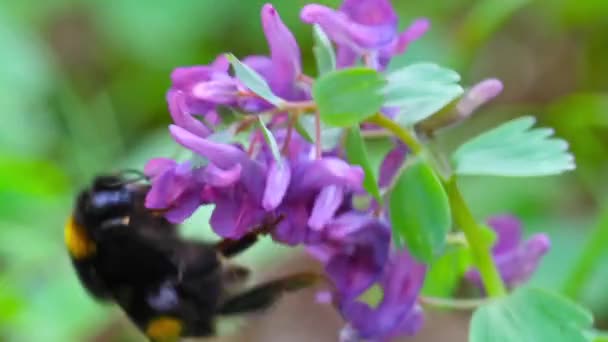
{"x":309,"y":190}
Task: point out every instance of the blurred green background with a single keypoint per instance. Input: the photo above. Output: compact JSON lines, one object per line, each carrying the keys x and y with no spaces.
{"x":82,"y":87}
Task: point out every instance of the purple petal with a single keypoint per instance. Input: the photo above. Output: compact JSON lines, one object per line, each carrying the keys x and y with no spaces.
{"x":414,"y":32}
{"x":261,"y":64}
{"x":235,"y":214}
{"x":326,"y":204}
{"x":217,"y":177}
{"x":397,"y":314}
{"x":180,"y":115}
{"x":277,"y":182}
{"x":346,"y":57}
{"x":223,"y":155}
{"x":353,"y":274}
{"x":347,"y":224}
{"x":344,"y":31}
{"x":508,"y":232}
{"x":156,"y":166}
{"x":391,"y":164}
{"x":358,"y":259}
{"x":284,"y":50}
{"x":222,"y":89}
{"x":165,"y":189}
{"x":478,"y":95}
{"x":184,"y":208}
{"x":517,"y":267}
{"x":370,"y":12}
{"x":314,"y":175}
{"x":293,"y":229}
{"x":402,"y":281}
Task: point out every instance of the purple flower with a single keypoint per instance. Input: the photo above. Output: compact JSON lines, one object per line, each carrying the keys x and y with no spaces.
{"x":199,"y":84}
{"x":284,"y":54}
{"x":316,"y":193}
{"x":175,"y":188}
{"x":516,"y":259}
{"x":181,"y":115}
{"x":477,"y":96}
{"x":367,"y":28}
{"x":398,"y":313}
{"x":354,"y":250}
{"x":391,"y":164}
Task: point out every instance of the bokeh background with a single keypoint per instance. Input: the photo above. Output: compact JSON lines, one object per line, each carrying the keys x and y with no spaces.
{"x":82,"y":87}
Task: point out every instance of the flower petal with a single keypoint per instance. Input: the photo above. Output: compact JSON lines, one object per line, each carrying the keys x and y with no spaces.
{"x":508,"y":232}
{"x":414,"y":32}
{"x":184,"y":207}
{"x":277,"y":181}
{"x":326,"y":204}
{"x":370,"y":12}
{"x":343,"y":31}
{"x":156,"y":166}
{"x":235,"y":215}
{"x":284,"y":50}
{"x":478,"y":95}
{"x":314,"y":175}
{"x":223,"y":155}
{"x":391,"y":164}
{"x":180,"y":115}
{"x":217,"y":177}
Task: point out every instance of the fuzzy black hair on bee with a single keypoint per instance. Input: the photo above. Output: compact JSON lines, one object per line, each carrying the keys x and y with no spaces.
{"x":168,"y":286}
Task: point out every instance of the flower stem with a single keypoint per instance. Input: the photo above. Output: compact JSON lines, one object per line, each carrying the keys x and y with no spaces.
{"x":401,"y":133}
{"x":479,"y":247}
{"x":318,"y":144}
{"x":460,"y":212}
{"x":451,"y":303}
{"x":593,"y":251}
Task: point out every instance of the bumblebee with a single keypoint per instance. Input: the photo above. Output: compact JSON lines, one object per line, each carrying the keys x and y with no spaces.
{"x":169,"y":287}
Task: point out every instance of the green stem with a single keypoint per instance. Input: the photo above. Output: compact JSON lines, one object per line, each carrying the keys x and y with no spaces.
{"x":592,"y":253}
{"x":479,"y":247}
{"x":460,"y":211}
{"x":451,"y":303}
{"x":400,"y":132}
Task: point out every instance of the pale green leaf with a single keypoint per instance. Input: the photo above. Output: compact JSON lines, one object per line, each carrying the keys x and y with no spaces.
{"x":530,"y":315}
{"x":420,"y":90}
{"x":252,"y":80}
{"x":323,"y":51}
{"x":348,"y":96}
{"x":514,"y":149}
{"x":420,"y":212}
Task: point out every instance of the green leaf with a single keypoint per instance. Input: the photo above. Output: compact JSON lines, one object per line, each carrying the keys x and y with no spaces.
{"x":253,"y":81}
{"x":446,"y":272}
{"x":302,"y":130}
{"x":356,"y":153}
{"x":420,"y":212}
{"x":270,"y":140}
{"x":514,"y":149}
{"x":530,"y":315}
{"x":323,"y":51}
{"x":349,"y":96}
{"x":420,"y":90}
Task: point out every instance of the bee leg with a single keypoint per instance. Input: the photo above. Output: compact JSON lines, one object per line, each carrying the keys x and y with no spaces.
{"x":235,"y":276}
{"x":264,"y":295}
{"x":230,"y":248}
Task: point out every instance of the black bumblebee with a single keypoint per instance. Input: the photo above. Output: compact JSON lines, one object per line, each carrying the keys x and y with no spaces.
{"x":169,"y":287}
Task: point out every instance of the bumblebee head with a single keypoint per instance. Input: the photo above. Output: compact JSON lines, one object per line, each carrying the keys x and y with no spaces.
{"x":109,"y":200}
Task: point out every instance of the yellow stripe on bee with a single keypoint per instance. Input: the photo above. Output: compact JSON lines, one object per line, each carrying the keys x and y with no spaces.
{"x":77,"y":241}
{"x":164,"y":329}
